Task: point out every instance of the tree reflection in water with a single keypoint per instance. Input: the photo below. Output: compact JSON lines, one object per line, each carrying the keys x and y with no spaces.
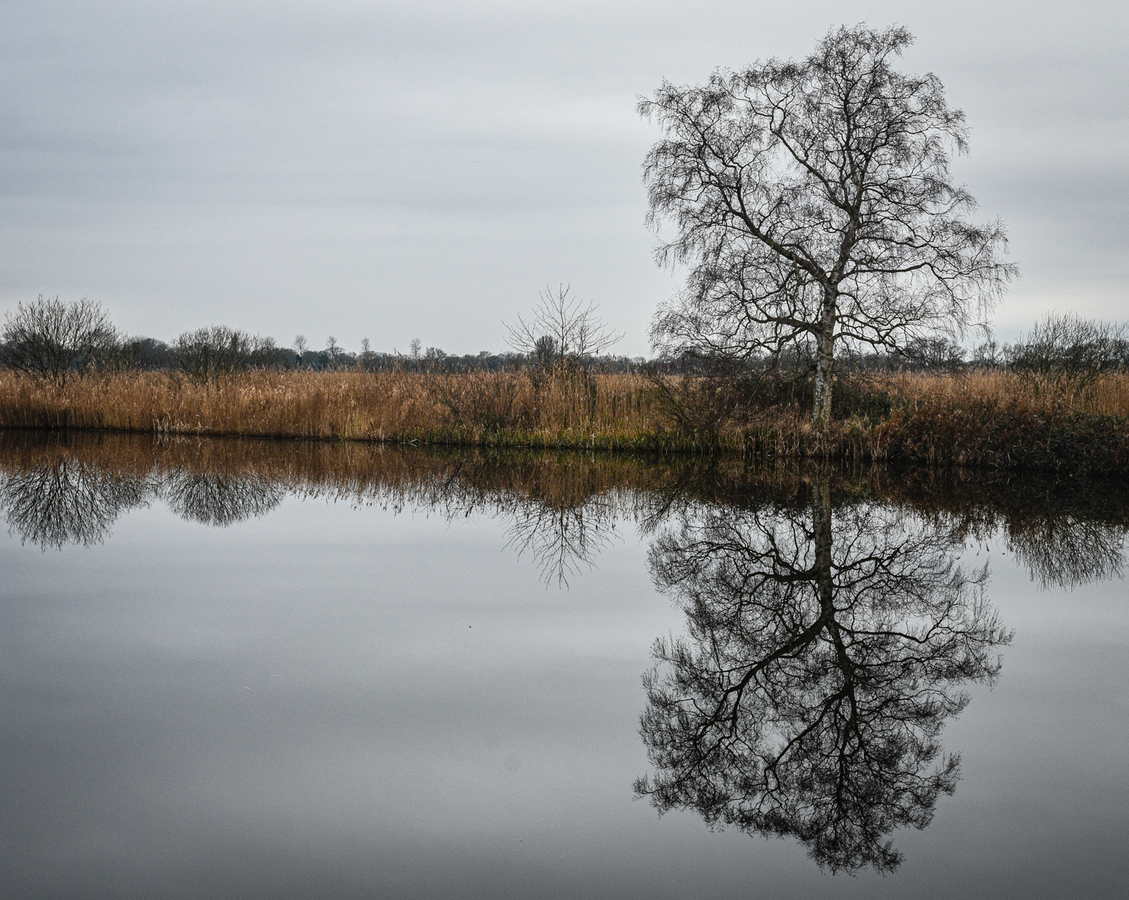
{"x":68,"y":500}
{"x":69,"y":497}
{"x":563,"y":541}
{"x":827,"y":645}
{"x":1068,"y":551}
{"x":825,"y":652}
{"x":220,"y":499}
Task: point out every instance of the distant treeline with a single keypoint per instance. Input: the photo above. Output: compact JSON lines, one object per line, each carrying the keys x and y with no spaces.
{"x":1063,"y":344}
{"x":218,"y":349}
{"x":56,"y":340}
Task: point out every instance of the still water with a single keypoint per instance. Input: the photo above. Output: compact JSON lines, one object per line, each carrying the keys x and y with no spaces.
{"x":248,"y":670}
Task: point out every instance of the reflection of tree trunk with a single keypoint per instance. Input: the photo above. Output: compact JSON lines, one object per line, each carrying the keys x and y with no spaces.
{"x":825,"y":587}
{"x":821,"y":529}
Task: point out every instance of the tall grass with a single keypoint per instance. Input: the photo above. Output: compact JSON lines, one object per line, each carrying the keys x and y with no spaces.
{"x":994,"y":419}
{"x":1105,"y":395}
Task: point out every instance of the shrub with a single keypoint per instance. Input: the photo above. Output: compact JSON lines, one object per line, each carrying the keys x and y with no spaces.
{"x":481,"y":400}
{"x":52,"y":340}
{"x":209,"y":353}
{"x":1068,"y":345}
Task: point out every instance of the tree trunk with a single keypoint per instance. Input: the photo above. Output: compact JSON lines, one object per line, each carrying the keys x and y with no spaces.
{"x":825,"y":360}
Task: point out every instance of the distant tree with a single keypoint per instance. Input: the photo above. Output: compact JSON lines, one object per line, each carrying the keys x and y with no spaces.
{"x":936,"y":353}
{"x":1068,"y":345}
{"x":53,"y":340}
{"x":300,"y":344}
{"x":333,"y":352}
{"x":563,"y":331}
{"x":210,"y":353}
{"x":988,"y":354}
{"x":544,"y":351}
{"x":141,"y":353}
{"x":814,"y":205}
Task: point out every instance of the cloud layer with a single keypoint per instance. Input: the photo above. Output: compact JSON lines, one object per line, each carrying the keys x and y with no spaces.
{"x":391,"y":171}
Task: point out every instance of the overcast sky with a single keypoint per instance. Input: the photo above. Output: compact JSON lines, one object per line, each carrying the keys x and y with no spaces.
{"x":397,"y":170}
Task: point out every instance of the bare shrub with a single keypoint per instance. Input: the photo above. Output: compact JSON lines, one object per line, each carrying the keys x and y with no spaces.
{"x":210,"y":353}
{"x":53,"y":340}
{"x":487,"y":401}
{"x":1068,"y":345}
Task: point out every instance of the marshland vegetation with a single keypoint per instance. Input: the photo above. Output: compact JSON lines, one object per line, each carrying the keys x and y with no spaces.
{"x":1057,"y":401}
{"x":993,"y":418}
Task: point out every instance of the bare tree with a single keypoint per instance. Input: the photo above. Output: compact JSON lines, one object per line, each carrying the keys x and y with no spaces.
{"x":53,"y":340}
{"x":1069,"y":346}
{"x":210,"y":353}
{"x":813,"y":203}
{"x":562,"y":331}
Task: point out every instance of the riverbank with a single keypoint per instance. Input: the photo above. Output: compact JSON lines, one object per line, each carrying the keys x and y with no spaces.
{"x":995,"y":420}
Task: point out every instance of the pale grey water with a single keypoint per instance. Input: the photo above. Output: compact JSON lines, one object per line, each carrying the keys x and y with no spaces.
{"x":339,"y":699}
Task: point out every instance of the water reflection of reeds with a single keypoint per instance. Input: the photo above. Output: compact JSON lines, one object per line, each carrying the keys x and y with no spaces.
{"x":59,"y":488}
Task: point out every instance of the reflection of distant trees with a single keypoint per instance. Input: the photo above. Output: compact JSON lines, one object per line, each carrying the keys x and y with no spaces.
{"x":558,"y":519}
{"x":219,"y":499}
{"x":56,"y":493}
{"x":1065,"y":533}
{"x":68,"y":501}
{"x":564,"y":541}
{"x":1066,"y":551}
{"x":825,"y":653}
{"x":560,"y":510}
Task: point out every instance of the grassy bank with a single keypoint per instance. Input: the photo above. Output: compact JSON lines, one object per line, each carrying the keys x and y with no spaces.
{"x":983,"y":419}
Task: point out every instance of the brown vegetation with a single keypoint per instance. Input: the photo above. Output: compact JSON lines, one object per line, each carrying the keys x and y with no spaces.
{"x":516,"y":408}
{"x":992,"y":419}
{"x":66,"y":487}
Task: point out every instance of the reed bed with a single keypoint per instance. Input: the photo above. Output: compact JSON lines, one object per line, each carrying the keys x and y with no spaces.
{"x":1103,"y":395}
{"x":475,"y":408}
{"x":984,"y":419}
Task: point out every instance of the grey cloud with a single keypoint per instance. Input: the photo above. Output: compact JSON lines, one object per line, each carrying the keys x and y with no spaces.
{"x":167,"y":158}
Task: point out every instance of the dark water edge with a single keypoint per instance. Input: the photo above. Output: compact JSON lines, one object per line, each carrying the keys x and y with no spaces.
{"x":237,"y":668}
{"x":97,"y":476}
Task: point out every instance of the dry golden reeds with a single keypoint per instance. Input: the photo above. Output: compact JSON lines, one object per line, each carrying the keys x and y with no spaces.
{"x":480,"y":407}
{"x":995,"y":419}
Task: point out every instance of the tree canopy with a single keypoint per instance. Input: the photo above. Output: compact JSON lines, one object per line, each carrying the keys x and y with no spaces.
{"x":813,"y":204}
{"x":52,"y":340}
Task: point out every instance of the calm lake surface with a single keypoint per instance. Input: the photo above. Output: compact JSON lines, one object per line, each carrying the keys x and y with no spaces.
{"x":286,"y":670}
